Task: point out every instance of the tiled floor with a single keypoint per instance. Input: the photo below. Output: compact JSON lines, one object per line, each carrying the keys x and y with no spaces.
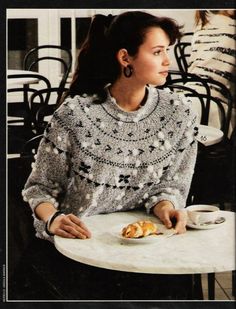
{"x":223,"y":286}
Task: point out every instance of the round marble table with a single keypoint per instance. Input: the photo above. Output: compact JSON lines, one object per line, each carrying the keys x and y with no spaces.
{"x":196,"y":251}
{"x":21,"y":81}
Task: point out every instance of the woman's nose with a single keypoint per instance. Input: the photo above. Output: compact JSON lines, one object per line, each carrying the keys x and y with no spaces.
{"x":166,"y":60}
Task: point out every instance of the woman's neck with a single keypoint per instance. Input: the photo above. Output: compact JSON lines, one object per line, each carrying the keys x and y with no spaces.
{"x":127,"y":97}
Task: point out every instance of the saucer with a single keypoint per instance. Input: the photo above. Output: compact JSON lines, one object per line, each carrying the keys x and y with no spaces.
{"x":204,"y":227}
{"x":209,"y":135}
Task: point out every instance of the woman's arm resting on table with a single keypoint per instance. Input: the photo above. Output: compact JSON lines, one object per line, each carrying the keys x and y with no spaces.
{"x":49,"y":179}
{"x":68,"y":226}
{"x":165,"y":211}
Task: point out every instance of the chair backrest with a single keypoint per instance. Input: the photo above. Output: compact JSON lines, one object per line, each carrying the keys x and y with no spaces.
{"x":226,"y":109}
{"x":213,"y":103}
{"x":33,"y":57}
{"x":186,"y":37}
{"x":20,"y":106}
{"x":182,"y":51}
{"x":49,"y":105}
{"x":189,"y":85}
{"x":180,"y":77}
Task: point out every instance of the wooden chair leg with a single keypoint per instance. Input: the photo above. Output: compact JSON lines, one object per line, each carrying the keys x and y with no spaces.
{"x":211,"y":286}
{"x":234,"y":283}
{"x":222,"y":205}
{"x":197,"y":287}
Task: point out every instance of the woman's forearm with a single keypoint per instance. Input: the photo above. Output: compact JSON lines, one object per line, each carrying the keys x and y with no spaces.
{"x":69,"y":226}
{"x":158,"y":207}
{"x":44,"y":210}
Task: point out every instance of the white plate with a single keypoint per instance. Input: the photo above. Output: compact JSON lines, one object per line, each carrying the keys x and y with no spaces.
{"x":116,"y":231}
{"x":204,"y":227}
{"x":209,"y":135}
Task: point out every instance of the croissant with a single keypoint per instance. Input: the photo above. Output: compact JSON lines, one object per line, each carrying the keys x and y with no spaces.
{"x":139,"y":229}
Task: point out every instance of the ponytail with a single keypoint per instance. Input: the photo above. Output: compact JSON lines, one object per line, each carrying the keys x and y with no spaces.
{"x":92,"y":74}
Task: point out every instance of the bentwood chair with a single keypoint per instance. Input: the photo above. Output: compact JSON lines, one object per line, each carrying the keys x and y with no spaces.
{"x":182,"y":51}
{"x":47,"y":108}
{"x":212,"y":181}
{"x":21,"y":114}
{"x":19,"y":93}
{"x":49,"y":53}
{"x":203,"y":87}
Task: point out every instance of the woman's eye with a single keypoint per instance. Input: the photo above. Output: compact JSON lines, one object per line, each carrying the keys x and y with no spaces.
{"x":157,"y":52}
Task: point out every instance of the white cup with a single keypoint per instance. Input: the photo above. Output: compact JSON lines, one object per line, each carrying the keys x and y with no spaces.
{"x":200,"y":214}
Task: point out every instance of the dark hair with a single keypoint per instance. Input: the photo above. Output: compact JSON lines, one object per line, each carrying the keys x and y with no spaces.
{"x":202,"y":17}
{"x":97,"y":64}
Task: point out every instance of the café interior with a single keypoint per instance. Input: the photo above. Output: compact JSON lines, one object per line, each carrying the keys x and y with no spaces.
{"x":42,"y":48}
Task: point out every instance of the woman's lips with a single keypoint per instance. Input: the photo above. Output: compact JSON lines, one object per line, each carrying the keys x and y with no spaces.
{"x":164,"y":73}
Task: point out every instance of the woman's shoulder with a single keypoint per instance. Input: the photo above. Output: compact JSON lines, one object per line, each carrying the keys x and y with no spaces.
{"x":75,"y":103}
{"x":177,"y":104}
{"x":222,"y":23}
{"x":172,"y":98}
{"x":74,"y":109}
{"x":70,"y":102}
{"x":222,"y":19}
{"x":163,"y":93}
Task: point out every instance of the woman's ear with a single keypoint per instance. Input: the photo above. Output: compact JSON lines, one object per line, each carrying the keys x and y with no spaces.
{"x":123,"y":57}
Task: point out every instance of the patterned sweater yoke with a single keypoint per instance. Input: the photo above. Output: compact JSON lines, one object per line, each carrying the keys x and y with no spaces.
{"x":97,"y":158}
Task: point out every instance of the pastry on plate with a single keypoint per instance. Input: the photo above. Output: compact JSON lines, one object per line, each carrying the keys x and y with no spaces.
{"x":139,"y":229}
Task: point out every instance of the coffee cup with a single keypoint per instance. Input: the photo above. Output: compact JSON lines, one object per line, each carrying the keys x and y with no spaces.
{"x":200,"y":214}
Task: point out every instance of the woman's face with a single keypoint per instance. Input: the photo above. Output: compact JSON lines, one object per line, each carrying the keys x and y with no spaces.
{"x":151,"y":63}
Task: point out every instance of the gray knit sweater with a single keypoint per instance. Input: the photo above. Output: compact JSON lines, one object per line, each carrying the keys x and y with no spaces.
{"x":97,"y":158}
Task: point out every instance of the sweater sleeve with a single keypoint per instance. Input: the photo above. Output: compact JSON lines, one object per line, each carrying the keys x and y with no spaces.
{"x":49,"y":177}
{"x":175,"y":182}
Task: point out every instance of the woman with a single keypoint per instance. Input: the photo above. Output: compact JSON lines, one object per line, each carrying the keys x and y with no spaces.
{"x":213,"y":54}
{"x":115,"y":143}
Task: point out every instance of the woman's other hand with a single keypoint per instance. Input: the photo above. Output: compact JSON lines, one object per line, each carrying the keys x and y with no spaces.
{"x":172,"y":218}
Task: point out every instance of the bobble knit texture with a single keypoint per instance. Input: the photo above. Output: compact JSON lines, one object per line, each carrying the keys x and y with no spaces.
{"x":97,"y":158}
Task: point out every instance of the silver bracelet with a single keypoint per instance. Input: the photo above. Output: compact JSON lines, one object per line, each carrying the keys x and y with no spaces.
{"x":50,"y":221}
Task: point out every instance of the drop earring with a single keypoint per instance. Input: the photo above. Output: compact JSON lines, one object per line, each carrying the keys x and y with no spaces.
{"x":128,"y":71}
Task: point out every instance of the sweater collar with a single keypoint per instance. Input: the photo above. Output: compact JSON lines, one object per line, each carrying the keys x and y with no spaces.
{"x":114,"y":110}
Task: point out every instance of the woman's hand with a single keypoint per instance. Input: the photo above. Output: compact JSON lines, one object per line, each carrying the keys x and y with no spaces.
{"x":167,"y":214}
{"x":69,"y":226}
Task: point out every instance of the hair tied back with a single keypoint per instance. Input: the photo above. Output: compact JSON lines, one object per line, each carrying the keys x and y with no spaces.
{"x":109,"y":19}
